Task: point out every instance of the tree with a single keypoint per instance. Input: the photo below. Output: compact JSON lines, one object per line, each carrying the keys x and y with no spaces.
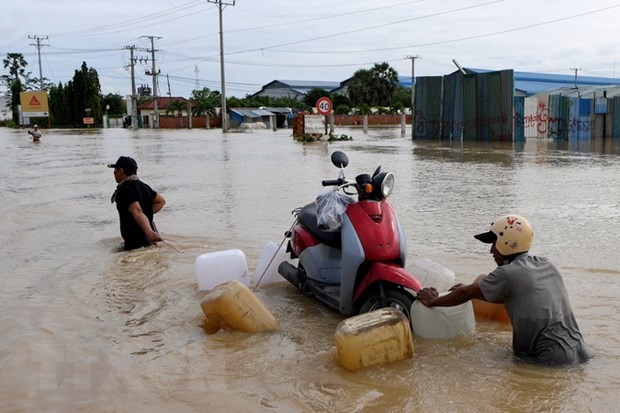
{"x":315,"y":94}
{"x":205,"y":102}
{"x":16,"y":64}
{"x":80,"y":97}
{"x":385,"y":83}
{"x":374,"y":87}
{"x":115,"y":102}
{"x":360,"y":88}
{"x":86,"y":91}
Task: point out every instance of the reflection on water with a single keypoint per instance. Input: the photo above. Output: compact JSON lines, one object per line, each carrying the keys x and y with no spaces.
{"x":84,"y":327}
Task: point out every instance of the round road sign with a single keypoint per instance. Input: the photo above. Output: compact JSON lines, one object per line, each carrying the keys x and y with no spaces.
{"x":324,"y":106}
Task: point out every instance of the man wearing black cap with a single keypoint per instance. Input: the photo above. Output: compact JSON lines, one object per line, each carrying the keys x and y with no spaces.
{"x":136,"y":203}
{"x":532,"y":289}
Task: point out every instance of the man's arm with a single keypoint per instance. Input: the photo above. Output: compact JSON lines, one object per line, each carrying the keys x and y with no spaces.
{"x":459,"y":295}
{"x":158,"y":203}
{"x":143,"y":222}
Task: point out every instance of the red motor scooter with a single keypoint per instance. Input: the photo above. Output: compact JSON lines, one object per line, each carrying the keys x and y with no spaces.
{"x":359,"y":267}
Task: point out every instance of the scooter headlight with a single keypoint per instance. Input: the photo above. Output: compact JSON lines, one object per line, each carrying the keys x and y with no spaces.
{"x":383,"y":184}
{"x":387,"y":185}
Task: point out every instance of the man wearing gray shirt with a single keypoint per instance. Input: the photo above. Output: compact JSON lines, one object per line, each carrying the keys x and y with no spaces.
{"x":544,"y":327}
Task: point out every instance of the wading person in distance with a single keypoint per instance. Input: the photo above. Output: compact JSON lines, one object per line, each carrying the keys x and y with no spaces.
{"x":36,"y":134}
{"x":136,"y":203}
{"x":532,"y":289}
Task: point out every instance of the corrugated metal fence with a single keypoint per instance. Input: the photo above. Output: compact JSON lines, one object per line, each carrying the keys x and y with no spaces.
{"x":483,"y":106}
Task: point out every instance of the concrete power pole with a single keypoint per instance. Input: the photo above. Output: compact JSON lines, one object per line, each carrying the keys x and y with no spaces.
{"x":134,"y":100}
{"x":221,"y":5}
{"x":39,"y":45}
{"x":154,"y":73}
{"x":412,"y":81}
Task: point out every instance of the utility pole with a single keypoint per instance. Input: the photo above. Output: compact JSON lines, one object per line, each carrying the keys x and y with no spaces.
{"x":412,"y":84}
{"x":221,"y":5}
{"x":576,"y":70}
{"x":134,"y":100}
{"x":197,"y":85}
{"x":154,"y":73}
{"x":39,"y":45}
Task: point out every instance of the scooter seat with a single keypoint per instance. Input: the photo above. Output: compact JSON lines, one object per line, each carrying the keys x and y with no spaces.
{"x":307,"y":218}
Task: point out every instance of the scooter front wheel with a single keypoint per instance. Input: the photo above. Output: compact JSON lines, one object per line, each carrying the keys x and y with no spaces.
{"x":392,"y":297}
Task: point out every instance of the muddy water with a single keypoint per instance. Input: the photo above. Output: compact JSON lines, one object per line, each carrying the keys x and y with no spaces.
{"x":85,"y":327}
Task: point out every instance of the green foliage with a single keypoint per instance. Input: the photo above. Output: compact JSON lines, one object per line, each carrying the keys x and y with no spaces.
{"x":342,"y":137}
{"x":205,"y":102}
{"x":116,"y":104}
{"x":15,"y":81}
{"x":374,"y":87}
{"x":68,"y":103}
{"x":176,"y":107}
{"x":315,"y":94}
{"x":403,"y":96}
{"x":364,"y":109}
{"x":342,"y":110}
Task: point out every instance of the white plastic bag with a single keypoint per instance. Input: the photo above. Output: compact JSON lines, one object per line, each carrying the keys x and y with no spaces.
{"x":330,"y":205}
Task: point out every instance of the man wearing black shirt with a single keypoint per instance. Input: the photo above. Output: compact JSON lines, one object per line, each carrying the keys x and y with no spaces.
{"x":136,"y":203}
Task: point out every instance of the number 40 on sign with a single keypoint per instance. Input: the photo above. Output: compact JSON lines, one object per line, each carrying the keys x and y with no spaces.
{"x":324,"y":106}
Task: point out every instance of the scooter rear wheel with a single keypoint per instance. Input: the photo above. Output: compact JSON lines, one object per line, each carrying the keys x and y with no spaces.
{"x":392,"y":297}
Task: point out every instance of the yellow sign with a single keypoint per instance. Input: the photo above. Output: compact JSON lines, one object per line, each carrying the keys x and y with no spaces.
{"x":34,"y":102}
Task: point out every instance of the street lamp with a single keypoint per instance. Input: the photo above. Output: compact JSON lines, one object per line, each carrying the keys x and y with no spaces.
{"x":87,"y":121}
{"x":107,"y":117}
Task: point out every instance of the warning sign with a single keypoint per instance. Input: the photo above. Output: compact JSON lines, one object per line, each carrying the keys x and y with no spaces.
{"x":34,"y":102}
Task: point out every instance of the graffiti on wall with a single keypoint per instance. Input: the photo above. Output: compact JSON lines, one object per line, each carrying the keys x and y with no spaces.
{"x":543,"y":124}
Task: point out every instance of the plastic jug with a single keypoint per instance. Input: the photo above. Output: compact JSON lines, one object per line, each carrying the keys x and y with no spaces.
{"x":373,"y":338}
{"x":233,"y":305}
{"x":270,"y":270}
{"x":214,"y":268}
{"x":485,"y":311}
{"x":431,"y":274}
{"x":442,"y":322}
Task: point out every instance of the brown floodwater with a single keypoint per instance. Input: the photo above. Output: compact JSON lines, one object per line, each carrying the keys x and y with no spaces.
{"x":85,"y":327}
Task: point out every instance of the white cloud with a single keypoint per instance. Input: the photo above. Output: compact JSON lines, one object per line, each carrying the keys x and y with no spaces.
{"x":318,"y":40}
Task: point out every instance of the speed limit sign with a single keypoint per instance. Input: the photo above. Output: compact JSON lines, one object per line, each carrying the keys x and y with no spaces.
{"x":324,"y":106}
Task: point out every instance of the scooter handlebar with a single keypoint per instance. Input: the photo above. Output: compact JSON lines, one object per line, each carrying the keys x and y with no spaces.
{"x":333,"y":182}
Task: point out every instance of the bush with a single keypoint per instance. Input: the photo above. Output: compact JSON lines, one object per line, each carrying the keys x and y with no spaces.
{"x":342,"y":110}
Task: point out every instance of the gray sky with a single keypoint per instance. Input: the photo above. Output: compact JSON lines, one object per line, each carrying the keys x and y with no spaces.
{"x":326,"y":40}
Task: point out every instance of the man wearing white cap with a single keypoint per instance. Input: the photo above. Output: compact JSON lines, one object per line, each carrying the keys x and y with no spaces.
{"x":36,"y":135}
{"x":532,"y":289}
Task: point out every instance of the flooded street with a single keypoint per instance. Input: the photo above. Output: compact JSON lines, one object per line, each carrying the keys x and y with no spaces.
{"x":85,"y":327}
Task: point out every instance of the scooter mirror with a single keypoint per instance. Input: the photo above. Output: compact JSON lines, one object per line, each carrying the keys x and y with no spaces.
{"x":339,"y":159}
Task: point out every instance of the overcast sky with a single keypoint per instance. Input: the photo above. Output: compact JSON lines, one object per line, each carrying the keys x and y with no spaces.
{"x":323,"y":40}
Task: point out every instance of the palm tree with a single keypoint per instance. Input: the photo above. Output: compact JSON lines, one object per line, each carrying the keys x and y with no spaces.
{"x":205,"y":102}
{"x":177,"y":107}
{"x":16,"y":64}
{"x":385,"y":83}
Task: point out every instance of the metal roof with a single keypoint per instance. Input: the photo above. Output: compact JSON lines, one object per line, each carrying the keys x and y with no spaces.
{"x":533,"y":83}
{"x":251,"y":113}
